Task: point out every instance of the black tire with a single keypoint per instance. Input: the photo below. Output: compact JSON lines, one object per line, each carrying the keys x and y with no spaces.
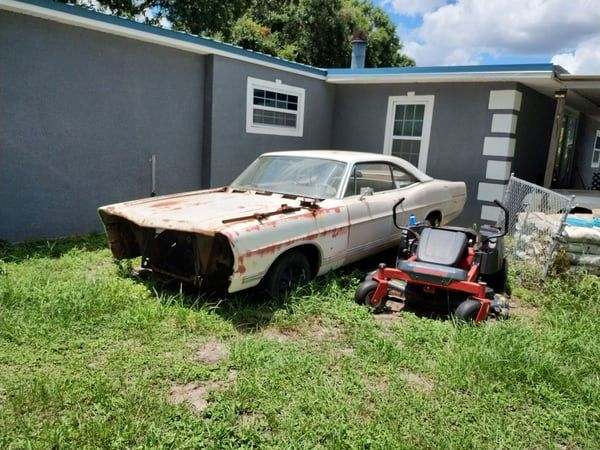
{"x":290,"y":270}
{"x":363,"y":295}
{"x":413,"y":294}
{"x":369,"y":276}
{"x":467,"y":310}
{"x":432,"y":220}
{"x":499,"y":281}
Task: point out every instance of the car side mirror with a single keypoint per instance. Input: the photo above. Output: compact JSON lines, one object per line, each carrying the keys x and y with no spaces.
{"x":365,"y":192}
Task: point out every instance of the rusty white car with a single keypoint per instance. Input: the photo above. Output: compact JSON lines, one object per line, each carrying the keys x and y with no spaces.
{"x":289,"y":217}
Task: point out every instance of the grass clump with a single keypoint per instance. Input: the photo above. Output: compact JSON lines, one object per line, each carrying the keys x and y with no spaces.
{"x":90,"y":357}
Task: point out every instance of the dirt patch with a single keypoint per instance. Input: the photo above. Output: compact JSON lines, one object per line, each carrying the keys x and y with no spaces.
{"x":321,"y":332}
{"x":315,"y":330}
{"x":195,"y":394}
{"x":192,"y":393}
{"x":418,"y":381}
{"x":278,"y":335}
{"x":251,"y":419}
{"x":212,"y":352}
{"x":520,"y":309}
{"x":391,"y":313}
{"x":382,"y":384}
{"x":346,"y":351}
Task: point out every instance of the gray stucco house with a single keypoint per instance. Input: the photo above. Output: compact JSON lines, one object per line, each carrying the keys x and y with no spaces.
{"x":88,"y":100}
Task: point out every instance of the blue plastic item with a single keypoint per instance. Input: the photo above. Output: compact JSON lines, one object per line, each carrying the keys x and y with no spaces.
{"x":412,"y":220}
{"x":575,"y":221}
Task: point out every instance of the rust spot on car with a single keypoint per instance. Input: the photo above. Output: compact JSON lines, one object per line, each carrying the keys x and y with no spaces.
{"x":241,"y":269}
{"x":274,"y":248}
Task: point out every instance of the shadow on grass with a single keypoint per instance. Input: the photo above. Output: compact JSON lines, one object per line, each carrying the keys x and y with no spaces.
{"x":50,"y":248}
{"x":251,"y":310}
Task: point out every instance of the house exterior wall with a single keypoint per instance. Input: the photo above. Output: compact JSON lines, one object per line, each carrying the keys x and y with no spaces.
{"x":585,"y":145}
{"x":81,"y":114}
{"x":460,"y":124}
{"x":232,"y":148}
{"x":83,"y":111}
{"x":534,"y":130}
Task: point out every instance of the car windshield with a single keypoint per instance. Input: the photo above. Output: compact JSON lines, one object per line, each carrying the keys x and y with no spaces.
{"x":304,"y":177}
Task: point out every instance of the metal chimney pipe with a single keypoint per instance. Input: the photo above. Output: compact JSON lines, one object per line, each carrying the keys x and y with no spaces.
{"x":359,"y":53}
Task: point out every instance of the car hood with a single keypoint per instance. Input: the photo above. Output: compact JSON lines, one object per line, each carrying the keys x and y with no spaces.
{"x":200,"y":211}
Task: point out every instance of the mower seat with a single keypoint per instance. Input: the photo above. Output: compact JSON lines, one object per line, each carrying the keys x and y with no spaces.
{"x":438,"y":251}
{"x":432,"y":272}
{"x":440,"y":246}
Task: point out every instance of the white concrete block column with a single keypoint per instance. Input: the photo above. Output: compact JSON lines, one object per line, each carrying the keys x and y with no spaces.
{"x":504,"y":123}
{"x":499,"y":149}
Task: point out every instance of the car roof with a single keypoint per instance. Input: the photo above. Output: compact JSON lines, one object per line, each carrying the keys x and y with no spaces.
{"x":352,"y":157}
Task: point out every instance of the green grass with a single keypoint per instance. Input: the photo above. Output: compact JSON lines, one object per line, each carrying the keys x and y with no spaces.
{"x":89,"y":355}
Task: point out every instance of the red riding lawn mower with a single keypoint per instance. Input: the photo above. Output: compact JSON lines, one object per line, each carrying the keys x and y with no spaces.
{"x":458,"y":268}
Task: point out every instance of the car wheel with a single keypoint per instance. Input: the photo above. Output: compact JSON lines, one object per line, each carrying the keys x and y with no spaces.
{"x":287,"y":272}
{"x":432,"y":220}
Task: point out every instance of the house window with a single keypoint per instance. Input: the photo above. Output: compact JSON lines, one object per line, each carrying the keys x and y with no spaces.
{"x":274,"y":108}
{"x":596,"y":151}
{"x":408,"y":127}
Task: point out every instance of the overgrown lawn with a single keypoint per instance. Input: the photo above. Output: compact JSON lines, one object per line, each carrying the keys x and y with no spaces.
{"x":91,"y":357}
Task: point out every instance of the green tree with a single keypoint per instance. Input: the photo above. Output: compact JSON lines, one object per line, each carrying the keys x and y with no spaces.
{"x":315,"y":32}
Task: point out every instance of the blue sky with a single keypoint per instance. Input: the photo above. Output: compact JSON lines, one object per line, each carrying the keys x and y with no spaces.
{"x":451,"y":32}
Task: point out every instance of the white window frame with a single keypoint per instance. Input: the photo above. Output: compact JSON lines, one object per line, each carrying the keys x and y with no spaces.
{"x":595,"y":150}
{"x":279,"y":87}
{"x":428,"y":101}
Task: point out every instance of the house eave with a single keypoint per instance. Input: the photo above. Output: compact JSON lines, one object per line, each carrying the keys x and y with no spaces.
{"x":455,"y":77}
{"x":84,"y":18}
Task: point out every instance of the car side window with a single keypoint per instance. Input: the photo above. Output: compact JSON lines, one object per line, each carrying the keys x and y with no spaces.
{"x":402,"y":178}
{"x":377,"y":176}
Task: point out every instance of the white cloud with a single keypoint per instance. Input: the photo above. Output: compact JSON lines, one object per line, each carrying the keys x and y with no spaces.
{"x":465,"y":31}
{"x":585,"y":59}
{"x":414,"y":7}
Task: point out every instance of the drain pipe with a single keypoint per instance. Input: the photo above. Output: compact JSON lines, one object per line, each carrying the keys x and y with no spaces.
{"x":153,"y":175}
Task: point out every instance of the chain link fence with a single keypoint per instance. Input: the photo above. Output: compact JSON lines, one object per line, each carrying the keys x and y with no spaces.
{"x":536,"y":220}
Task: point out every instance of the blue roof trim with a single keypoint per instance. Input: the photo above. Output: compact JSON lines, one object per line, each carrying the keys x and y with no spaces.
{"x":86,"y":13}
{"x":499,"y":68}
{"x":211,"y":43}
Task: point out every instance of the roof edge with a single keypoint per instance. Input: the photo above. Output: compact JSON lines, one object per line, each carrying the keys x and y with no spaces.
{"x":107,"y":23}
{"x":87,"y":18}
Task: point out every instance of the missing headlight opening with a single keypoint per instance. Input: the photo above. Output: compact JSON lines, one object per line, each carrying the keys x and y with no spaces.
{"x":202,"y":260}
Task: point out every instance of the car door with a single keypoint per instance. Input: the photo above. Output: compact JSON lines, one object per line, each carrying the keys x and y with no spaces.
{"x":370,"y":196}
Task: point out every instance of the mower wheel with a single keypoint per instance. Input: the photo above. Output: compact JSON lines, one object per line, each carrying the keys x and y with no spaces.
{"x":365,"y":292}
{"x":467,"y":310}
{"x":499,"y":281}
{"x":369,"y":276}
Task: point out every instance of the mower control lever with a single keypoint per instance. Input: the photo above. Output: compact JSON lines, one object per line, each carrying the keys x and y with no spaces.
{"x":400,"y":227}
{"x":503,"y":230}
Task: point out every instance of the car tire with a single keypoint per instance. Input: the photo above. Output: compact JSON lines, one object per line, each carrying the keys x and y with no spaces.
{"x":432,"y":221}
{"x":289,"y":271}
